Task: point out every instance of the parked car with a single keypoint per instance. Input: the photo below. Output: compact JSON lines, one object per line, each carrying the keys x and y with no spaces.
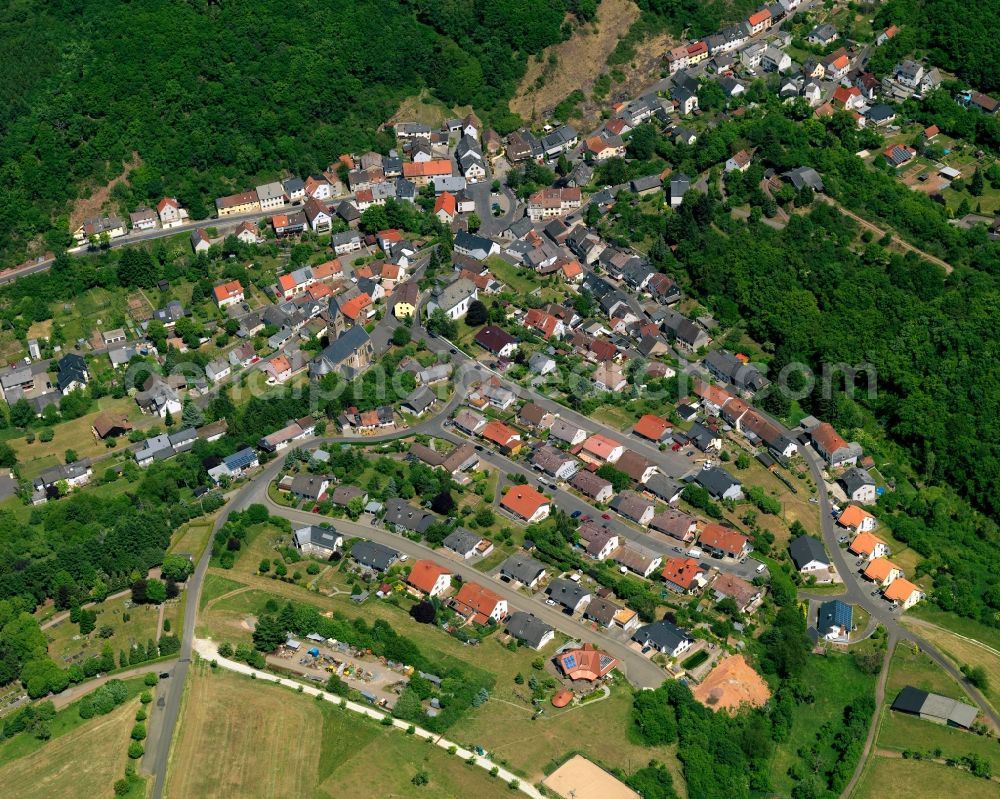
{"x":576,"y":514}
{"x":605,"y":515}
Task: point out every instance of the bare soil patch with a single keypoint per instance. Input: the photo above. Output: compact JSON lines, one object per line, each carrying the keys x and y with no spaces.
{"x":581,"y":58}
{"x":731,"y":684}
{"x":86,"y":207}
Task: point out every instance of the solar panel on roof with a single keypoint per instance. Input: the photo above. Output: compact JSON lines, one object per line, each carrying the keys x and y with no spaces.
{"x":569,"y":661}
{"x":606,"y":661}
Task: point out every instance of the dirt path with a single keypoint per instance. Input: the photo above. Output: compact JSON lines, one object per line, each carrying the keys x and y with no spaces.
{"x":70,"y":695}
{"x":973,"y":641}
{"x":61,"y":617}
{"x":234,"y":592}
{"x":873,"y":729}
{"x":895,"y":238}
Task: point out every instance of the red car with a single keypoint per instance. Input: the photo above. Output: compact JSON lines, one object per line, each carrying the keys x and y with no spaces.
{"x":605,"y":515}
{"x":675,"y":447}
{"x":584,"y":519}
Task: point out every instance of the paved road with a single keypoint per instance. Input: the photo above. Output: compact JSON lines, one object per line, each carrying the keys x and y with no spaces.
{"x":638,"y":668}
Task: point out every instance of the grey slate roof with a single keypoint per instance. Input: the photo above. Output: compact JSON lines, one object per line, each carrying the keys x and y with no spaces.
{"x":374,"y":556}
{"x":528,"y":628}
{"x":805,"y":548}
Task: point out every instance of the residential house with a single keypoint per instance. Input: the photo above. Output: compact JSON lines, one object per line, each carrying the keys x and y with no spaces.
{"x":234,"y":466}
{"x":909,"y":73}
{"x":719,"y":540}
{"x":808,"y":554}
{"x":586,"y":664}
{"x":744,"y":594}
{"x":554,"y":462}
{"x":609,"y":377}
{"x":529,"y":629}
{"x":108,"y":425}
{"x":294,"y":189}
{"x":653,"y":428}
{"x":170,"y":212}
{"x":429,"y":578}
{"x":566,"y":432}
{"x":446,"y":207}
{"x":680,"y":185}
{"x":589,"y":484}
{"x":880,"y":115}
{"x":467,"y":544}
{"x":419,"y":401}
{"x":605,"y":145}
{"x":317,"y":541}
{"x":676,"y":524}
{"x":200,"y":241}
{"x":882,"y":571}
{"x":774,"y":59}
{"x":736,"y":370}
{"x":719,"y":483}
{"x":904,"y":593}
{"x":600,"y":449}
{"x":469,"y":421}
{"x":636,"y":466}
{"x":371,"y":555}
{"x":835,"y":620}
{"x":497,"y":341}
{"x":602,"y":612}
{"x":832,"y":448}
{"x":664,"y":637}
{"x":836,"y":66}
{"x":759,"y":21}
{"x":634,"y":507}
{"x":73,"y":373}
{"x":475,"y":246}
{"x":227,"y":294}
{"x":405,"y":298}
{"x":246,"y":202}
{"x":271,"y":196}
{"x":143,"y":219}
{"x":479,"y":604}
{"x":94,"y":228}
{"x":309,"y":486}
{"x":803,"y":176}
{"x":636,"y":559}
{"x":346,"y":242}
{"x":685,"y":100}
{"x":319,"y":218}
{"x":868,"y":547}
{"x":857,"y":519}
{"x":684,"y":575}
{"x":526,"y":503}
{"x":522,"y":569}
{"x":599,"y":541}
{"x":823,"y":35}
{"x":859,"y":486}
{"x":551,"y":202}
{"x":899,"y":154}
{"x":454,"y":299}
{"x":402,"y":515}
{"x":571,"y":596}
{"x":536,"y":416}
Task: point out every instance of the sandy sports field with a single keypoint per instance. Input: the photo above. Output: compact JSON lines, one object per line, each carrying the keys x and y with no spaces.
{"x":578,"y":778}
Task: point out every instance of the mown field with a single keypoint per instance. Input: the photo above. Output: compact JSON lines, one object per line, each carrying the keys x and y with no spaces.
{"x":279,"y":745}
{"x":920,"y":780}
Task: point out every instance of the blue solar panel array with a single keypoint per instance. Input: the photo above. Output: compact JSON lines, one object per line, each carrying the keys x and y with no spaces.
{"x":569,"y":661}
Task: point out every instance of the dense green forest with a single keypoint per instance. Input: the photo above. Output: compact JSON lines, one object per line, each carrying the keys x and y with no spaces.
{"x":961,"y":36}
{"x":214,"y":97}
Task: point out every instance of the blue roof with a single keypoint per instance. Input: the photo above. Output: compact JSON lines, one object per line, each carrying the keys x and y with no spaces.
{"x":240,"y":460}
{"x":835,"y":614}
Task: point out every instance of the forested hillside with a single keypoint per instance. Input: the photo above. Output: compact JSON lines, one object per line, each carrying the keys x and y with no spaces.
{"x":212,"y":96}
{"x":961,"y":36}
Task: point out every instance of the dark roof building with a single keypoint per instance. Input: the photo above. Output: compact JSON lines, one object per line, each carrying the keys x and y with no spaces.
{"x":374,"y":556}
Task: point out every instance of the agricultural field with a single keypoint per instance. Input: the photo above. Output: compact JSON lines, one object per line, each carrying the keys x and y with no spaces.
{"x":67,"y":646}
{"x":280,"y":746}
{"x":84,"y":762}
{"x":837,"y":682}
{"x":920,"y":780}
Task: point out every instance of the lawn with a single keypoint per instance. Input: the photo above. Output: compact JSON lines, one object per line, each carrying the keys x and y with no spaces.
{"x":836,"y":682}
{"x":67,"y":646}
{"x":215,"y":586}
{"x":281,"y":746}
{"x":909,"y":666}
{"x":919,"y":780}
{"x":520,"y":279}
{"x":77,"y":435}
{"x":191,"y":538}
{"x":84,"y":762}
{"x":970,"y":653}
{"x":900,"y":731}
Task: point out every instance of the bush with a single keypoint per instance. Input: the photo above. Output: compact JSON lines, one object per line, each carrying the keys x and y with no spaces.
{"x":46,"y":434}
{"x":145,"y":697}
{"x":140,"y":715}
{"x":139,"y":732}
{"x":150,"y":679}
{"x":121,"y":787}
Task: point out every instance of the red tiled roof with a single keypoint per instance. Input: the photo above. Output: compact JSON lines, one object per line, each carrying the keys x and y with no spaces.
{"x":426,"y":169}
{"x":524,"y":501}
{"x":446,"y":202}
{"x":500,"y":434}
{"x":651,"y":427}
{"x":758,"y":17}
{"x":719,"y":537}
{"x":476,"y":601}
{"x":228,"y":290}
{"x":424,"y":574}
{"x":352,"y":308}
{"x":681,"y":571}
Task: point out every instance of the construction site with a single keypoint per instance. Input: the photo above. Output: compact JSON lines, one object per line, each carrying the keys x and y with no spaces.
{"x":378,"y":680}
